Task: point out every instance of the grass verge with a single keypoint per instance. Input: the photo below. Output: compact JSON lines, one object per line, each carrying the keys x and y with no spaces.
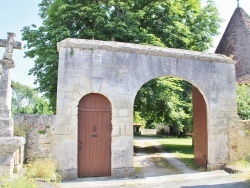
{"x":38,"y":171}
{"x":22,"y":182}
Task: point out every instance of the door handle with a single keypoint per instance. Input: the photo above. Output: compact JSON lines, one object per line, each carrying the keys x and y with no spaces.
{"x":80,"y":147}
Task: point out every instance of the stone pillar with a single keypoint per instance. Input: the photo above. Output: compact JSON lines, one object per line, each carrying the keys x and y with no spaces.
{"x":8,"y":143}
{"x":6,"y":122}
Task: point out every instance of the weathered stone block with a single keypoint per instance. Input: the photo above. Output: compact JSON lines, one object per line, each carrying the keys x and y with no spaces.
{"x":10,"y":144}
{"x":122,"y":140}
{"x":5,"y":114}
{"x":118,"y":121}
{"x":64,"y":140}
{"x":72,"y":129}
{"x":122,"y":130}
{"x":6,"y":127}
{"x":6,"y":158}
{"x":64,"y":119}
{"x":122,"y":156}
{"x":68,"y":174}
{"x":215,"y":166}
{"x":59,"y":129}
{"x":66,"y":157}
{"x":123,"y":172}
{"x":219,"y":122}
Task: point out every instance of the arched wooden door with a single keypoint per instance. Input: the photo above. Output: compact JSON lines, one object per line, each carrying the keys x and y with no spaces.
{"x":94,"y":136}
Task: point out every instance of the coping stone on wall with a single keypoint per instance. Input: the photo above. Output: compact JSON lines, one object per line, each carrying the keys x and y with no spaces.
{"x":137,"y":48}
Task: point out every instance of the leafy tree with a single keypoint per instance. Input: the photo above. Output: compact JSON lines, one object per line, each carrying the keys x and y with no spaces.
{"x":27,"y":100}
{"x":138,"y":119}
{"x":166,"y":100}
{"x":243,"y":98}
{"x":173,"y":23}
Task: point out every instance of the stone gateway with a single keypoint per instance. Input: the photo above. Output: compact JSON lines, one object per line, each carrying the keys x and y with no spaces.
{"x":115,"y":72}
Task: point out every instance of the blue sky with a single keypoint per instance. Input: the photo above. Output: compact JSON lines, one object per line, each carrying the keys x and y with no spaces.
{"x":15,"y":14}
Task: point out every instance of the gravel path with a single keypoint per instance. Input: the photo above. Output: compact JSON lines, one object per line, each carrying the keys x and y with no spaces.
{"x":151,"y":160}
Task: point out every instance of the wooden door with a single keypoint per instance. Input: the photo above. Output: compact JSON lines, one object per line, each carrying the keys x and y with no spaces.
{"x":94,"y":136}
{"x":200,"y":128}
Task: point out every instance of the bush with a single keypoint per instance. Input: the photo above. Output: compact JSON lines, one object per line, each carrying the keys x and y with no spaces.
{"x":243,"y":99}
{"x":22,"y":130}
{"x":44,"y":170}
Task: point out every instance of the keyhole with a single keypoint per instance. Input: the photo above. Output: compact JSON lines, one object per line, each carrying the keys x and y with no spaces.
{"x":94,"y":128}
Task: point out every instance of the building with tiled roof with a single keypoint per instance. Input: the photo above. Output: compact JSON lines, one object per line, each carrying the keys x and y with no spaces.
{"x":235,"y":43}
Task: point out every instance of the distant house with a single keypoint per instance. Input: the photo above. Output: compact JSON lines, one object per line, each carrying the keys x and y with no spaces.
{"x":137,"y":128}
{"x":235,"y":43}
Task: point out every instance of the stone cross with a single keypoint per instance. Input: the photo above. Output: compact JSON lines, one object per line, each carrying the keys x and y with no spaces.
{"x":7,"y":63}
{"x":8,"y":143}
{"x":9,"y":44}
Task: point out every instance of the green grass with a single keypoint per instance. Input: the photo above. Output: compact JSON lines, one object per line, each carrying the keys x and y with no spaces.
{"x":182,"y":148}
{"x":23,"y":182}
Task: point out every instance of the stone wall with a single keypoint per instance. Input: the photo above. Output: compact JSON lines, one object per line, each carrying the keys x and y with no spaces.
{"x":148,"y":131}
{"x":37,"y":127}
{"x":239,"y":139}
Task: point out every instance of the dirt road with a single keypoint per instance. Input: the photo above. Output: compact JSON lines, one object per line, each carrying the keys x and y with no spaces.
{"x":151,"y":160}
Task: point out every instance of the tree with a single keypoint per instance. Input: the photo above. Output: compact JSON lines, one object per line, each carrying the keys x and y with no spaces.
{"x":27,"y":100}
{"x":243,"y":99}
{"x":173,"y":23}
{"x":166,"y":100}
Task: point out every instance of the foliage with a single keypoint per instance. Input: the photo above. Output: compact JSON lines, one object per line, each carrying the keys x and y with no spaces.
{"x":150,"y":125}
{"x":243,"y":99}
{"x":138,"y":119}
{"x":27,"y":100}
{"x":21,"y":130}
{"x":22,"y":182}
{"x":173,"y":23}
{"x":43,"y":169}
{"x":166,"y":101}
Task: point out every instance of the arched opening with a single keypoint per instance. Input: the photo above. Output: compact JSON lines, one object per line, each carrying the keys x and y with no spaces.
{"x":94,"y":136}
{"x":170,"y":107}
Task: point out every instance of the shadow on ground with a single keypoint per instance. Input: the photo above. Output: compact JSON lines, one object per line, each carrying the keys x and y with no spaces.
{"x":235,"y":184}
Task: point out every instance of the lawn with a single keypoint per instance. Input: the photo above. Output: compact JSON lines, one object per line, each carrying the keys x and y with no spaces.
{"x":182,"y":148}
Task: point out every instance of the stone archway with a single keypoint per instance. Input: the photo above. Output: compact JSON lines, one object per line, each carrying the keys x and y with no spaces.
{"x":118,"y":70}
